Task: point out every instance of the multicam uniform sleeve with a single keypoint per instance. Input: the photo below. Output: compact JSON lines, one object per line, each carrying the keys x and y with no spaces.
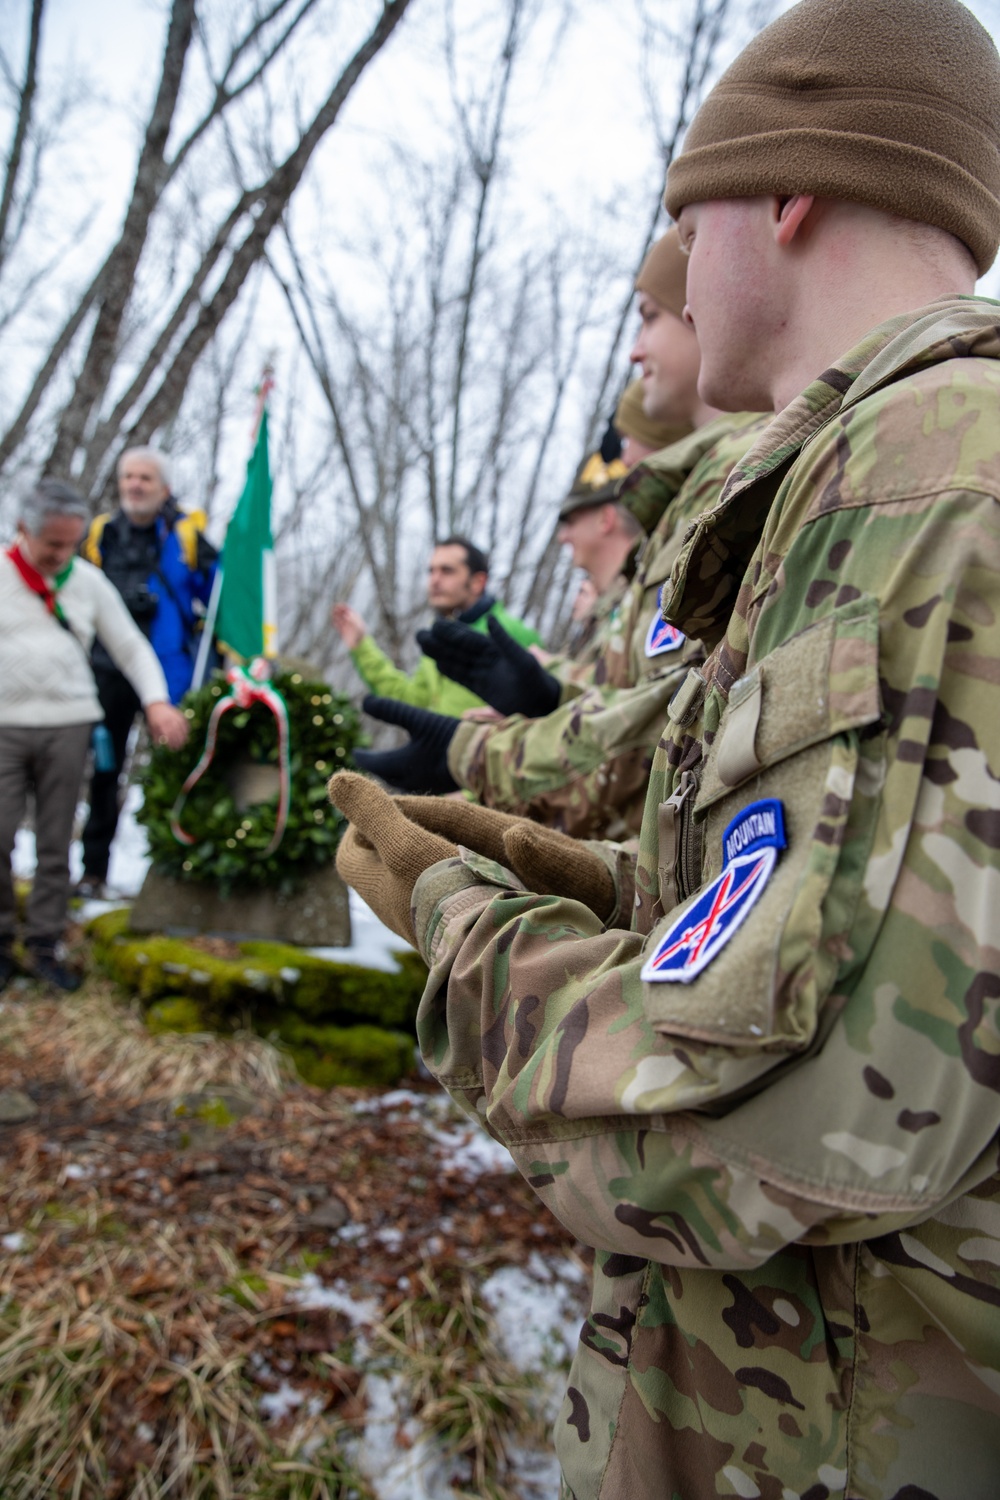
{"x":582,"y":768}
{"x":832,"y":1073}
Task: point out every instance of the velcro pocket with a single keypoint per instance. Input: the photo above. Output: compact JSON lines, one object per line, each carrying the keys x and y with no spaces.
{"x":791,"y":732}
{"x":821,"y":682}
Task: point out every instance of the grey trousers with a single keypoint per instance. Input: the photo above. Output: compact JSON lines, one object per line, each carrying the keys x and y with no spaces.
{"x":49,"y":761}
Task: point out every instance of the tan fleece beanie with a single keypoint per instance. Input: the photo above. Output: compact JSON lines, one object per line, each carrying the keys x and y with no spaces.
{"x":663,"y":274}
{"x":631,"y":421}
{"x":892,"y":103}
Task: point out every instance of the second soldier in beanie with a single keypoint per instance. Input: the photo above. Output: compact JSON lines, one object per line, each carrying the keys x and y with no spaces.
{"x":642,"y":435}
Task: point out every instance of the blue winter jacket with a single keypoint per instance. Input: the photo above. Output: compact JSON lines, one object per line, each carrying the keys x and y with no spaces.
{"x":161,"y":571}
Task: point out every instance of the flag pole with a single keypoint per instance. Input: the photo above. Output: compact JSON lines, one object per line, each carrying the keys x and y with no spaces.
{"x":207,"y":631}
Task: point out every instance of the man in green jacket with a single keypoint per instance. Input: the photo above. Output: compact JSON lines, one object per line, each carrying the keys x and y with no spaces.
{"x":772,"y":1105}
{"x":581,"y":764}
{"x":456,"y":590}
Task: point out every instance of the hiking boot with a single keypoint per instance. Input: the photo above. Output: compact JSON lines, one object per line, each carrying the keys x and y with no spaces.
{"x":8,"y":964}
{"x":90,"y":888}
{"x":48,"y":969}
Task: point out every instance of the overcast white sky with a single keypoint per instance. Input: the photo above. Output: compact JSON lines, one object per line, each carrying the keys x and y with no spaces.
{"x":582,"y":129}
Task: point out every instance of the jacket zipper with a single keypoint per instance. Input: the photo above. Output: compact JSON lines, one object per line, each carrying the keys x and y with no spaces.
{"x":689,"y":841}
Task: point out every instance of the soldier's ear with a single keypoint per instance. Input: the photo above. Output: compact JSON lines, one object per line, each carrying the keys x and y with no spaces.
{"x":791,"y":214}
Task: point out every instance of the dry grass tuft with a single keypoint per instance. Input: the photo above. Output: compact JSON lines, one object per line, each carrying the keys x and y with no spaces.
{"x":459,"y":1385}
{"x":151,"y":1347}
{"x":109,"y":1051}
{"x":103,"y":1397}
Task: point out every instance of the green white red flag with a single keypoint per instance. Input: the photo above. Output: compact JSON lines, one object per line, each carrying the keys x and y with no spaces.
{"x":247,"y":616}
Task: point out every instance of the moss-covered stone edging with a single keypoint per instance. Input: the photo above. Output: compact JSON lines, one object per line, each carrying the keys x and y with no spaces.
{"x":342,"y":1024}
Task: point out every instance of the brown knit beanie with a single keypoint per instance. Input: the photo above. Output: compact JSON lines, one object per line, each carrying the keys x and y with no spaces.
{"x":663,"y":274}
{"x":892,"y":103}
{"x":631,"y":421}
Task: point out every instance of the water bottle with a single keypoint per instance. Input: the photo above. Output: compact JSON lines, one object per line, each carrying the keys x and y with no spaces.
{"x":104,"y":750}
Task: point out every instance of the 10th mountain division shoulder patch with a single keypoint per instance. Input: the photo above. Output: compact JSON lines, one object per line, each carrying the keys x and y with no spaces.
{"x":750,"y":847}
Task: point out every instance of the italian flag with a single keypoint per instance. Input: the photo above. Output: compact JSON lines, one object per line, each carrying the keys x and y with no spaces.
{"x":247,"y":618}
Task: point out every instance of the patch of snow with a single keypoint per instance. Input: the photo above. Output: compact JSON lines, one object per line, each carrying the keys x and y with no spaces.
{"x":356,"y":1234}
{"x":390,"y":1237}
{"x":278,"y":1404}
{"x":130,"y":850}
{"x":13,"y":1241}
{"x":536,"y":1311}
{"x":312,"y":1293}
{"x":398,"y":1459}
{"x":73,"y":1172}
{"x":470,"y":1151}
{"x":534,"y":1475}
{"x":397,"y":1098}
{"x":22,"y":860}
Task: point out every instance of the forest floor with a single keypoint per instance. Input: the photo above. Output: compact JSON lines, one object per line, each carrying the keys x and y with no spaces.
{"x":218,"y":1281}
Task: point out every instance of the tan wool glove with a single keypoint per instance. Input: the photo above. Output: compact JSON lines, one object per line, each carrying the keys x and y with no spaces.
{"x":478,"y":828}
{"x":382,"y":854}
{"x":549,"y":863}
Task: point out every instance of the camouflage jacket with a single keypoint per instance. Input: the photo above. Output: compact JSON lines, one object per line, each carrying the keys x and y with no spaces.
{"x":589,"y":636}
{"x":787,"y":1162}
{"x":584,"y":767}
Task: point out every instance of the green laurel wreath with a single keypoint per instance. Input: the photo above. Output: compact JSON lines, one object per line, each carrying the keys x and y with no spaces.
{"x":324,"y":728}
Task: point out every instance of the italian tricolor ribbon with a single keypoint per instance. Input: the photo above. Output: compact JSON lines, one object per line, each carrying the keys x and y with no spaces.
{"x":247,"y":686}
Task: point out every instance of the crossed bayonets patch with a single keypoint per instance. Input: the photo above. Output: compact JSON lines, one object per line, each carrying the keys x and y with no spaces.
{"x":750,"y":847}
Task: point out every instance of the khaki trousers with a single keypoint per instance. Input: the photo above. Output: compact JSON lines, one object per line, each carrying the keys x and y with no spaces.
{"x":50,"y":762}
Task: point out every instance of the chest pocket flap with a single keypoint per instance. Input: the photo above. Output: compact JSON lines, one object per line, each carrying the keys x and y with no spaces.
{"x":790,"y":732}
{"x":820,"y":683}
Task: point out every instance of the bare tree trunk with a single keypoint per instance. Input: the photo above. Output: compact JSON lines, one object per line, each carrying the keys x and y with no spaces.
{"x":271,"y":200}
{"x":25,"y":104}
{"x":119,"y":277}
{"x":485,"y":165}
{"x":82,"y":427}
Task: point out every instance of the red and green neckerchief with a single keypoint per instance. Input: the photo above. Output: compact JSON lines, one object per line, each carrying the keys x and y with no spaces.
{"x":39,"y":584}
{"x":247,"y":686}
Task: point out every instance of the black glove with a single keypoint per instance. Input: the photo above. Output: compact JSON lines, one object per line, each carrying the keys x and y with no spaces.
{"x":420,"y":766}
{"x":494,"y":667}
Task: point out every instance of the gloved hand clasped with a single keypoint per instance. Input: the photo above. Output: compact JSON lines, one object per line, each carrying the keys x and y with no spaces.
{"x":548,"y":862}
{"x":494,"y":667}
{"x":422,"y":764}
{"x":382,"y":853}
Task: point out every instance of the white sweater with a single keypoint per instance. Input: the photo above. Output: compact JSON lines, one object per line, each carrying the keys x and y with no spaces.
{"x":45,"y":675}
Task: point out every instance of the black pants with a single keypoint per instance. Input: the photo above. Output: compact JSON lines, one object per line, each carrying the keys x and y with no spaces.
{"x":120,"y":705}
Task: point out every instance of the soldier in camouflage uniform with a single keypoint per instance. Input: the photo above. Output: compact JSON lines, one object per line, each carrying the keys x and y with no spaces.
{"x":773,"y":1105}
{"x":603,"y":539}
{"x":583,"y":768}
{"x":636,"y":437}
